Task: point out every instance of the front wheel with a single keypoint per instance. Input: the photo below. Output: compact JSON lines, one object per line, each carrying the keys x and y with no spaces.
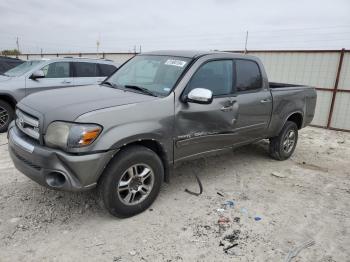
{"x":283,"y":145}
{"x":131,"y":182}
{"x":6,"y":115}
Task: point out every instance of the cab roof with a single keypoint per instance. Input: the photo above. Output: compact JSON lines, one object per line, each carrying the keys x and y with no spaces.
{"x":191,"y":53}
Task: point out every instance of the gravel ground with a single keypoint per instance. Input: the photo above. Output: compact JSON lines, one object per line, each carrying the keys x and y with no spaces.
{"x":304,"y":198}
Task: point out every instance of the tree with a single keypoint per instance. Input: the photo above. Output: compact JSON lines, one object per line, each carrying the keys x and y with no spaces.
{"x":9,"y":52}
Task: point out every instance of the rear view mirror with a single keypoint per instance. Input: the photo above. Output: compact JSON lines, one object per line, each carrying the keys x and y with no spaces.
{"x":200,"y":96}
{"x":37,"y":74}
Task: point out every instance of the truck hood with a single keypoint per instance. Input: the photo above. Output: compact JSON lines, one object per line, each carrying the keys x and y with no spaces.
{"x":68,"y":104}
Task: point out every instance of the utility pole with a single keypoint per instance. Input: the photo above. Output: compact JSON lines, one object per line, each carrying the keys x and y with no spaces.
{"x":41,"y":52}
{"x":17,"y":43}
{"x":98,"y":44}
{"x":134,"y":49}
{"x":140,"y":49}
{"x":246,"y":42}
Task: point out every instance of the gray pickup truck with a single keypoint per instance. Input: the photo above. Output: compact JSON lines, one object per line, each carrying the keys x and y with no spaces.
{"x":159,"y":108}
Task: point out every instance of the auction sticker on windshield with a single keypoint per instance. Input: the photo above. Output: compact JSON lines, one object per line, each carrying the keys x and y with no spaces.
{"x":175,"y":62}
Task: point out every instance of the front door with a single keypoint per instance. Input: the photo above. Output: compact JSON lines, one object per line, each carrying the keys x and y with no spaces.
{"x":203,"y":128}
{"x":57,"y":75}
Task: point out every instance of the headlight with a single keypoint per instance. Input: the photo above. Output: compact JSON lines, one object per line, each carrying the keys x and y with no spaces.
{"x":71,"y":135}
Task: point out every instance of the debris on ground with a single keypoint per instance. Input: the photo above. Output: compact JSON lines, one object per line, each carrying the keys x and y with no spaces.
{"x":132,"y":253}
{"x":294,"y":252}
{"x":200,"y":187}
{"x":229,"y":203}
{"x":237,"y":219}
{"x":117,"y":259}
{"x":230,"y":240}
{"x":277,"y":174}
{"x":220,"y":194}
{"x":234,"y":236}
{"x":223,"y":220}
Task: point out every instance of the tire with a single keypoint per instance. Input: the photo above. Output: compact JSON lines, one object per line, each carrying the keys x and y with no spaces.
{"x":122,"y":177}
{"x":283,"y":145}
{"x":6,"y":115}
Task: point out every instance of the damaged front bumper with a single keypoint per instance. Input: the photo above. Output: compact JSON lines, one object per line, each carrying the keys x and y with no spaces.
{"x":54,"y":168}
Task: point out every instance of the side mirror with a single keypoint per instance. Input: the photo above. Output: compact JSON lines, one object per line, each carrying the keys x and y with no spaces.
{"x":37,"y":74}
{"x":200,"y":96}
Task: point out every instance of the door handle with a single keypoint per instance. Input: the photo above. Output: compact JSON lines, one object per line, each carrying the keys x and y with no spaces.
{"x":267,"y":100}
{"x":226,"y":108}
{"x":66,"y":82}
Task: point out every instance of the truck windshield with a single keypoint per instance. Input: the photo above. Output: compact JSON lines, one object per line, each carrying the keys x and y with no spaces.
{"x":157,"y":74}
{"x":22,"y":68}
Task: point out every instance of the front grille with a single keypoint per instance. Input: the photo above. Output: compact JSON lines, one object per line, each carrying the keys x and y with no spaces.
{"x":27,"y":162}
{"x":28,"y":124}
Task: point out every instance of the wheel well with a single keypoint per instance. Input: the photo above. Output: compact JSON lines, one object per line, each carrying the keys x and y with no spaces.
{"x":296,"y":118}
{"x":9,"y":99}
{"x":158,"y":149}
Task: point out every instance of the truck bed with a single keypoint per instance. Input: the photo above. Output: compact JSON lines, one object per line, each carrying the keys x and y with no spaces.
{"x":291,"y":98}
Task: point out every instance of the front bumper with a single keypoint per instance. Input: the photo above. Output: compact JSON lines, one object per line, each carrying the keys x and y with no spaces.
{"x":54,"y":168}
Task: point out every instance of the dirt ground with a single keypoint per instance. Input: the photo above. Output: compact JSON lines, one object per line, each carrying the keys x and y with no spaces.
{"x":304,"y":198}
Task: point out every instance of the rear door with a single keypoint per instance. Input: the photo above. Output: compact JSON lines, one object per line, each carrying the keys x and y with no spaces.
{"x":254,"y":101}
{"x":86,"y":73}
{"x":57,"y":75}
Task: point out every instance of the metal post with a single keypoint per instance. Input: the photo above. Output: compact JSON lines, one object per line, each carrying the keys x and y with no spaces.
{"x":341,"y":58}
{"x":246,"y":42}
{"x":17,"y":43}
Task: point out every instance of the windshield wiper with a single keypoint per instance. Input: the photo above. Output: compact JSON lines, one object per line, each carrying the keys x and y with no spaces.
{"x":142,"y":89}
{"x":109,"y":83}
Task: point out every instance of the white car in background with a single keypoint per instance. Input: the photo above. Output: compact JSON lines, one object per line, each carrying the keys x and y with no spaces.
{"x":39,"y":75}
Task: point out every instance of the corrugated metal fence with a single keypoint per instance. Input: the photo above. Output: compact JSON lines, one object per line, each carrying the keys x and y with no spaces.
{"x":327,"y":70}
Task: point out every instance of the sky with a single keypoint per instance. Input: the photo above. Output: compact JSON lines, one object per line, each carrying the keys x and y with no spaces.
{"x":123,"y":26}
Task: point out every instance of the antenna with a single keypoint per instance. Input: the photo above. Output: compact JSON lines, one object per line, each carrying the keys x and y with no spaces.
{"x":246,"y":42}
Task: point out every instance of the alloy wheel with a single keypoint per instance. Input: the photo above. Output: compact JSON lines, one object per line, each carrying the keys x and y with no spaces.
{"x":135,"y":184}
{"x":289,"y":141}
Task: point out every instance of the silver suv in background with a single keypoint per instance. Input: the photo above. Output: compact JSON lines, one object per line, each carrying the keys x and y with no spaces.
{"x":38,"y":75}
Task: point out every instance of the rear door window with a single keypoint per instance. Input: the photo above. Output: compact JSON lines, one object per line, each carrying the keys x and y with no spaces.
{"x":57,"y":70}
{"x":106,"y":70}
{"x":248,"y":76}
{"x":84,"y":69}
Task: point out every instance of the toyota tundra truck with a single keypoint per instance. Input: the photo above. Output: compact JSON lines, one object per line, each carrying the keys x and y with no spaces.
{"x":125,"y":135}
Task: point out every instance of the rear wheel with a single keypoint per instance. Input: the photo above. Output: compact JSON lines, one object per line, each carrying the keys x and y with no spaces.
{"x":6,"y":115}
{"x":283,"y":145}
{"x":131,"y":182}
